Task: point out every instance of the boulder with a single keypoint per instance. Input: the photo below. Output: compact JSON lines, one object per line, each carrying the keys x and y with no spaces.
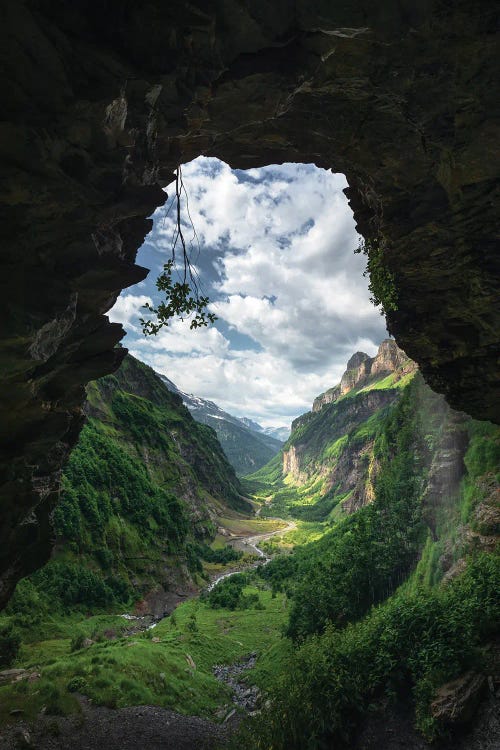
{"x":12,"y":675}
{"x":456,"y":701}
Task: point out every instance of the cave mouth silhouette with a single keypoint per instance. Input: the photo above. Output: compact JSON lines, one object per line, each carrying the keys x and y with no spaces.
{"x":101,"y":104}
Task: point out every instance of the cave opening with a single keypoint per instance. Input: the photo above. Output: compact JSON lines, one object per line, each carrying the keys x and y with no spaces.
{"x":274,"y":249}
{"x":101,"y":102}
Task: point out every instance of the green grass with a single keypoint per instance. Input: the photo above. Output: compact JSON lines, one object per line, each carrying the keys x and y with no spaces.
{"x":260,"y":484}
{"x":304,"y":533}
{"x":248,"y":526}
{"x":369,"y":429}
{"x":333,"y":450}
{"x":482,"y":461}
{"x":391,"y":381}
{"x":135,"y":670}
{"x":53,"y":628}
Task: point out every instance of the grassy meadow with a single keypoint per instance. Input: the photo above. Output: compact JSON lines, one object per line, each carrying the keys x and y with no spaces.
{"x":170,"y":665}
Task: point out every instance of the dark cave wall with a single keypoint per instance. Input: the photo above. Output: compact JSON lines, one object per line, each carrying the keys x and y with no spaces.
{"x":101,"y":101}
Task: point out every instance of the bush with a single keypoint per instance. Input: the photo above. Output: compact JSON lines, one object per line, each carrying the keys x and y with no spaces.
{"x":53,"y":698}
{"x":192,"y":623}
{"x":27,"y":604}
{"x":77,"y":685}
{"x":414,"y":641}
{"x":10,"y":643}
{"x":104,"y":557}
{"x":77,"y":642}
{"x":228,"y":594}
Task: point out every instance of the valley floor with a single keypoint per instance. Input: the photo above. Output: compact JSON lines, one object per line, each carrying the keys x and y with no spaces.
{"x":176,"y":666}
{"x":172,"y":665}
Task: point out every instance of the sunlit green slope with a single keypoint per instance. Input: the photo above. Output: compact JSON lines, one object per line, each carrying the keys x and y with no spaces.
{"x":327,"y":466}
{"x":143,"y":486}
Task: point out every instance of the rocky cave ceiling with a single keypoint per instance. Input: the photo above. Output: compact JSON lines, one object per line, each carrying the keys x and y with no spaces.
{"x":100,"y":103}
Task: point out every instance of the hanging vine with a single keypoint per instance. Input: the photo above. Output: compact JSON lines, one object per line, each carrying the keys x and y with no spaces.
{"x":182,"y":294}
{"x":382,"y":284}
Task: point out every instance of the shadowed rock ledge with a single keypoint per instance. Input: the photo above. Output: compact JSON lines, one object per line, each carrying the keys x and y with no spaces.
{"x":100,"y":103}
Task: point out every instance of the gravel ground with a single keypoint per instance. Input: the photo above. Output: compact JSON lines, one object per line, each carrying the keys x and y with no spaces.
{"x":153,"y":728}
{"x":98,"y":728}
{"x":244,"y":696}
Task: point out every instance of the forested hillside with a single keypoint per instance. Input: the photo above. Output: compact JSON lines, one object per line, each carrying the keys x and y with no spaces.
{"x":398,"y":596}
{"x":245,"y":443}
{"x":142,"y":489}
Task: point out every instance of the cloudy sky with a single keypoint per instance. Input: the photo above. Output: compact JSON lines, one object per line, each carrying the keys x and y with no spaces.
{"x":276,"y":258}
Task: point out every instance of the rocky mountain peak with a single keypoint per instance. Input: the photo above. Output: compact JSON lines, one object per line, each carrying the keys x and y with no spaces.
{"x":388,"y":358}
{"x":358,"y":369}
{"x":361,"y":368}
{"x":357,"y":360}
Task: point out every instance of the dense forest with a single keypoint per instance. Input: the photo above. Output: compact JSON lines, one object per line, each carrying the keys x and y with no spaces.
{"x":401,"y":596}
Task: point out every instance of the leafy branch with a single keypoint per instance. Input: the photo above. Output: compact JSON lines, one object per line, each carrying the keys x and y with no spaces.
{"x":382,"y":285}
{"x":182,"y":296}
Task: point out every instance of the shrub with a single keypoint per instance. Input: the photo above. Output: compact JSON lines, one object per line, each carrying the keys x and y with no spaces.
{"x":10,"y":643}
{"x":77,"y":685}
{"x":77,"y":642}
{"x":228,"y":594}
{"x":53,"y":698}
{"x":27,"y":604}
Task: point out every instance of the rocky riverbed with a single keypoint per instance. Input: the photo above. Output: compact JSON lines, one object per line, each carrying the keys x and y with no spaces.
{"x":246,"y":697}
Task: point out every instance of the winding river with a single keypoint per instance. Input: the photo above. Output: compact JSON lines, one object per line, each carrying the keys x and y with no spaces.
{"x":243,"y":543}
{"x":250,"y":544}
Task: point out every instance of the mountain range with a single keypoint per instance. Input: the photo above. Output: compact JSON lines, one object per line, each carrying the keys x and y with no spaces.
{"x":247,"y":444}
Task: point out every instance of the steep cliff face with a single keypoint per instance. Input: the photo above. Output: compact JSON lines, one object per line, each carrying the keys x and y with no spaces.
{"x":101,"y":102}
{"x":389,"y":358}
{"x":330,"y":454}
{"x":332,"y":466}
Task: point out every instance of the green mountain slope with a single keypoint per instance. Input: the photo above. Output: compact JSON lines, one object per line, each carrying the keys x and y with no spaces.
{"x":245,"y":449}
{"x":246,"y":445}
{"x":327,"y":465}
{"x":144,"y":484}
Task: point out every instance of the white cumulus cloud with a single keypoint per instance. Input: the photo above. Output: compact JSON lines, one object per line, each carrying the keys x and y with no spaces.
{"x":128,"y":309}
{"x":276,"y":256}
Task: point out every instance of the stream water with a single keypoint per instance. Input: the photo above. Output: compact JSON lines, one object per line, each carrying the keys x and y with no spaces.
{"x":249,"y":544}
{"x":243,"y":543}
